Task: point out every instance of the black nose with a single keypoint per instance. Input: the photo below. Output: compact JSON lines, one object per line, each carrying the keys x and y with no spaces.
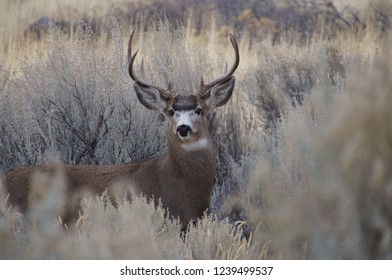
{"x":184,"y":130}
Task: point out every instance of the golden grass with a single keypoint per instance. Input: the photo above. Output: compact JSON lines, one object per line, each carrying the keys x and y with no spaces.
{"x":304,"y":146}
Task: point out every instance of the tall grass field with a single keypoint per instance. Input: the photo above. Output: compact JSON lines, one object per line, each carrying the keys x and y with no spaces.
{"x":304,"y":146}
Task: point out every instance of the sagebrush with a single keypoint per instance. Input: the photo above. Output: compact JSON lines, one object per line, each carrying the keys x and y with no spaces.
{"x":304,"y":146}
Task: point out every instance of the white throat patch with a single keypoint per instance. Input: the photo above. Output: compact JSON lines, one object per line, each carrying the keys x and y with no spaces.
{"x":200,"y":144}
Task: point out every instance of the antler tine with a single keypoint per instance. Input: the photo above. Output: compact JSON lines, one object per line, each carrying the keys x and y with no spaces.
{"x":131,"y":58}
{"x":142,"y":71}
{"x":225,"y":68}
{"x":204,"y":88}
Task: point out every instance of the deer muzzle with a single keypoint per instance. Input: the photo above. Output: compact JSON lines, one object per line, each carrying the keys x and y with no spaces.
{"x":184,"y":130}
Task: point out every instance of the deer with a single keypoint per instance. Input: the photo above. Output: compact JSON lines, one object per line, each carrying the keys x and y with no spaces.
{"x":182,"y":180}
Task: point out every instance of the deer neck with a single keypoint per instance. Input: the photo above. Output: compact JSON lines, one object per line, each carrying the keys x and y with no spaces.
{"x":194,"y":159}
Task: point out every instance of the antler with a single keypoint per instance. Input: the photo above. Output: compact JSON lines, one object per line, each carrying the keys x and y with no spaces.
{"x":204,"y":88}
{"x":168,"y":93}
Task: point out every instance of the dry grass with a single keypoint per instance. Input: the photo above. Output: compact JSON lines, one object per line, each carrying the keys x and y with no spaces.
{"x":321,"y":190}
{"x":304,"y":146}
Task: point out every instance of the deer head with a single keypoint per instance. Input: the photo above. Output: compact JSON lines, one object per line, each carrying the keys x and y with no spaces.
{"x":186,"y":112}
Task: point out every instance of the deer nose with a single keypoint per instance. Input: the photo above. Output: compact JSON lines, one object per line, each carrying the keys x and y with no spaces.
{"x":183,"y":130}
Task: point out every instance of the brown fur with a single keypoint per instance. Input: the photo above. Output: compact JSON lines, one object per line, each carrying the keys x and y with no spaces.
{"x":182,"y":180}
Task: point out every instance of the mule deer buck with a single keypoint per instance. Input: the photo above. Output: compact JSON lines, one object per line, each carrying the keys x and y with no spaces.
{"x":182,"y":179}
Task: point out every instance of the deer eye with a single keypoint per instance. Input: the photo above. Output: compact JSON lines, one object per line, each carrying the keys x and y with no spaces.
{"x":198,"y":111}
{"x":171,"y":112}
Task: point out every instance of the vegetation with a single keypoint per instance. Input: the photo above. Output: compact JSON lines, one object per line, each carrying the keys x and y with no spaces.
{"x":304,"y":146}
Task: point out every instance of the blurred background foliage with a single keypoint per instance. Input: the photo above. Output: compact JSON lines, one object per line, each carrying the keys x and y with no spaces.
{"x":304,"y":146}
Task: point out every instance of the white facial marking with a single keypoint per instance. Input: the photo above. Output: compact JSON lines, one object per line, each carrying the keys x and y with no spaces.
{"x":195,"y":146}
{"x":187,"y":118}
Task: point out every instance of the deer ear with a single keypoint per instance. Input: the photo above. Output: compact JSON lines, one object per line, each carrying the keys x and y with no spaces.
{"x":220,"y":94}
{"x":150,"y":97}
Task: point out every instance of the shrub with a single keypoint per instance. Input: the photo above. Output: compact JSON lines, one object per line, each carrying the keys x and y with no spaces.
{"x":303,"y":146}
